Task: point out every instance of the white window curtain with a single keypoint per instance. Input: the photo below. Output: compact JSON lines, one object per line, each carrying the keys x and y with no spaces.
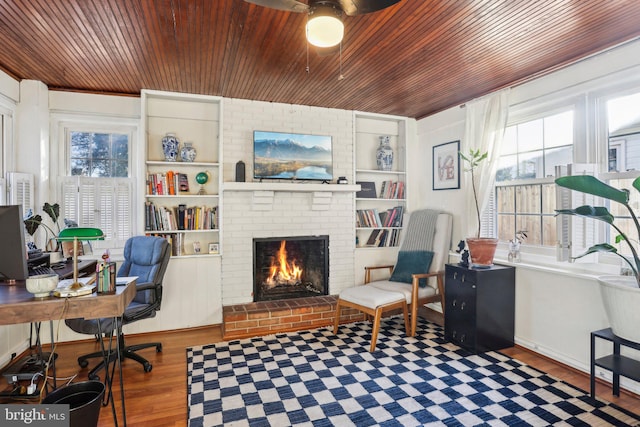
{"x":486,"y":120}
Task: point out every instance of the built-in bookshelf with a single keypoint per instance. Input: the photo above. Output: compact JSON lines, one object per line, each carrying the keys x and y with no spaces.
{"x":178,"y":205}
{"x":381,"y":202}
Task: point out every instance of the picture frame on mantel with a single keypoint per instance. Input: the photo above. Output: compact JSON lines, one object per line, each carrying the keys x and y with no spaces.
{"x":446,"y":166}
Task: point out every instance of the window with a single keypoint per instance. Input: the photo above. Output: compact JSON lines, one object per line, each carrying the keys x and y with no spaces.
{"x":96,"y":184}
{"x":525,"y":190}
{"x":99,"y":154}
{"x":623,"y":160}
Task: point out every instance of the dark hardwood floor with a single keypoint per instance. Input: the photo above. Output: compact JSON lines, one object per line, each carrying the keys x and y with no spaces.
{"x":159,"y":398}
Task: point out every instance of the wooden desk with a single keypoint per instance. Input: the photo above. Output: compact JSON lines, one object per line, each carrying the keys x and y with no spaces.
{"x":85,"y":268}
{"x":17,"y":305}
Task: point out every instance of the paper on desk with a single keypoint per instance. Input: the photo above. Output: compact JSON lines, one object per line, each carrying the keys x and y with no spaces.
{"x":84,"y":280}
{"x":120,"y":281}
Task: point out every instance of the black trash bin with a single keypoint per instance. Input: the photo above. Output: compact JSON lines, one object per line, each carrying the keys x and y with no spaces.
{"x":84,"y":400}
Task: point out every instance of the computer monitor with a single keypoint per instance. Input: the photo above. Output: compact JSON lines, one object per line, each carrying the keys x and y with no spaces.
{"x":13,"y":251}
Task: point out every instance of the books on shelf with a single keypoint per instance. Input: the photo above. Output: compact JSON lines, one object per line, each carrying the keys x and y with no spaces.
{"x":170,"y":183}
{"x":181,"y":217}
{"x":392,"y":190}
{"x":383,"y":238}
{"x":371,"y":218}
{"x":367,"y":190}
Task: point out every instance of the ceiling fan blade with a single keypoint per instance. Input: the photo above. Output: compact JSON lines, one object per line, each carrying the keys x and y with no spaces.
{"x":288,"y":5}
{"x":360,"y":7}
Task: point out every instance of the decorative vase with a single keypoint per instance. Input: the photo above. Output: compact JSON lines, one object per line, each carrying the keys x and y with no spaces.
{"x":481,"y":251}
{"x":188,"y":152}
{"x":384,"y":154}
{"x":621,"y":299}
{"x":170,"y":144}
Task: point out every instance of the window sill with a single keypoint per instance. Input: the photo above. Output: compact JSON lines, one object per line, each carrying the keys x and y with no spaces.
{"x":550,"y":265}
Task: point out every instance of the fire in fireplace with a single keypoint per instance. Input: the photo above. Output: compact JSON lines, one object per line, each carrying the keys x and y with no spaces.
{"x":290,"y":267}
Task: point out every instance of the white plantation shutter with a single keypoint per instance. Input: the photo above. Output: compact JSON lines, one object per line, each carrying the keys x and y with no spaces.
{"x":3,"y":191}
{"x":488,"y":217}
{"x":582,"y":232}
{"x":21,"y":190}
{"x":104,"y":203}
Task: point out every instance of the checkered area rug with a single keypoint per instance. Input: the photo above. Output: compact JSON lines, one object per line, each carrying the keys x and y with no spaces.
{"x":315,"y":378}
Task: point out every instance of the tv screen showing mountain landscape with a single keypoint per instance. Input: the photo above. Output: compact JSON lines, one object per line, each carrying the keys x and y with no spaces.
{"x":292,"y":156}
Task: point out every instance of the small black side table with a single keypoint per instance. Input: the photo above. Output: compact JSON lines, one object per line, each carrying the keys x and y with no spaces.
{"x":616,"y":363}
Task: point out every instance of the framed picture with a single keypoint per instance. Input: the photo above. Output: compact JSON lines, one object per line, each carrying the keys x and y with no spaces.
{"x":196,"y":247}
{"x":446,"y":166}
{"x":213,"y":248}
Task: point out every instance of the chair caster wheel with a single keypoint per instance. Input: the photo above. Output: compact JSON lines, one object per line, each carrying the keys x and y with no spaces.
{"x":147,"y":367}
{"x":159,"y":348}
{"x":83,"y":363}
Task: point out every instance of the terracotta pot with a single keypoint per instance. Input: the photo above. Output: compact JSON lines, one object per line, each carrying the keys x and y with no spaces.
{"x":482,"y":250}
{"x":621,"y":299}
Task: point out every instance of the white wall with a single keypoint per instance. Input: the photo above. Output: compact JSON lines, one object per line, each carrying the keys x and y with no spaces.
{"x":555,"y":308}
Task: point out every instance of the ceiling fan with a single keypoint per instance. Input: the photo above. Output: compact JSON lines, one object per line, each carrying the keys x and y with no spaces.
{"x":324,"y":25}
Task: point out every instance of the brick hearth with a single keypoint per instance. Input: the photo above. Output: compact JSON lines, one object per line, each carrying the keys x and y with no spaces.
{"x":268,"y":317}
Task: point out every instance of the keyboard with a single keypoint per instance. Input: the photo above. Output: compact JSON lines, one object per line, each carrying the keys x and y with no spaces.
{"x":36,"y":271}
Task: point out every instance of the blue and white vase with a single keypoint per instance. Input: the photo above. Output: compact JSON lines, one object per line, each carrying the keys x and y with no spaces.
{"x":187,"y":152}
{"x":170,"y":144}
{"x":384,"y":154}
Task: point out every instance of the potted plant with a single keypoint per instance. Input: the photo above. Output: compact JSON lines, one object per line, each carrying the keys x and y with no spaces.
{"x":620,"y":294}
{"x":33,"y":222}
{"x":481,"y":249}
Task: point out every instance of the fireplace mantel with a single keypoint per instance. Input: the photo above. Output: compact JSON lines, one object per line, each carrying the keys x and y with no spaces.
{"x":264,"y":193}
{"x":289,"y":187}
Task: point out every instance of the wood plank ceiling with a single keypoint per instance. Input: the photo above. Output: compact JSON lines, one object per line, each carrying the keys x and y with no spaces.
{"x":411,"y":59}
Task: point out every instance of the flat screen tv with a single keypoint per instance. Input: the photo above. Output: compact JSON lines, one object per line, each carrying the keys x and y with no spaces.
{"x":292,"y":156}
{"x":13,"y":251}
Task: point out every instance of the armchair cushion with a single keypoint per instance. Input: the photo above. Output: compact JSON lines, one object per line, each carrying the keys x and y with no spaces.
{"x":411,"y":262}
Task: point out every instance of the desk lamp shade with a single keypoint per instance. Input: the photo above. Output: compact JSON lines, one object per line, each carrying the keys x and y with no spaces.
{"x":74,"y":235}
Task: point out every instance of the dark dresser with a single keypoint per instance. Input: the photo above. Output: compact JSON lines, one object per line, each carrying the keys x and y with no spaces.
{"x":480,"y":307}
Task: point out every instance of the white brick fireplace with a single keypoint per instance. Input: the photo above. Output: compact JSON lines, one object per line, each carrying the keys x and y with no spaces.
{"x":291,"y":214}
{"x":275,"y":209}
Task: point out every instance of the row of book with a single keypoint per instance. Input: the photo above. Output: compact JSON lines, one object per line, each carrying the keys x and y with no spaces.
{"x":167,"y":183}
{"x":366,"y":218}
{"x":181,"y":217}
{"x":176,"y":240}
{"x":383,"y":238}
{"x":392,"y":190}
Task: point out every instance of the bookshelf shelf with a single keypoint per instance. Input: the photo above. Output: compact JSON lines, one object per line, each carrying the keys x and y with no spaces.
{"x":171,"y":187}
{"x":382,"y":191}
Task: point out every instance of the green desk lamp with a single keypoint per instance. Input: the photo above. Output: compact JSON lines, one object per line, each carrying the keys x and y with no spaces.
{"x":74,"y":235}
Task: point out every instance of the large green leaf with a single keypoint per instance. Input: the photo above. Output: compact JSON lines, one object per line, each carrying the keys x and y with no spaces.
{"x":32,"y":224}
{"x":591,"y":185}
{"x":595,"y":212}
{"x":602,"y":247}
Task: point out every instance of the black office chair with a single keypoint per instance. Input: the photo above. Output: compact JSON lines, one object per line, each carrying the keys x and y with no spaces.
{"x":145,"y":257}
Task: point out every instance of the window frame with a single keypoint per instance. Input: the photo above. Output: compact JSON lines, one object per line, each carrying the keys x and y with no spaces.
{"x":62,"y":124}
{"x":530,"y":111}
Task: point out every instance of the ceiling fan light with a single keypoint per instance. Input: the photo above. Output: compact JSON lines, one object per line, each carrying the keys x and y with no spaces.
{"x":324,"y":26}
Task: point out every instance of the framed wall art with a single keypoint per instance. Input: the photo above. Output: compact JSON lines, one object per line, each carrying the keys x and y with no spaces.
{"x":446,"y":166}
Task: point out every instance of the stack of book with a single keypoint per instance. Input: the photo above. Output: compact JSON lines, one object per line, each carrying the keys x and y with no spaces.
{"x":383,"y":237}
{"x":371,"y":218}
{"x":167,"y":183}
{"x":392,"y":190}
{"x":181,"y":217}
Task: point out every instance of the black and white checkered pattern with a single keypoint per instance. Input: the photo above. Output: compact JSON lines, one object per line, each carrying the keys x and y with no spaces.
{"x":315,"y":378}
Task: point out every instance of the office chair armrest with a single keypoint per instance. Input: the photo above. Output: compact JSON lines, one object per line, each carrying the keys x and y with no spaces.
{"x":367,"y":274}
{"x":144,"y":286}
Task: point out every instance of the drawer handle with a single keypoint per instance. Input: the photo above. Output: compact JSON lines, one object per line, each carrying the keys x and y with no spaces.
{"x":462,"y":337}
{"x":454,"y":303}
{"x":455,"y":275}
{"x":454,"y":333}
{"x":462,"y":305}
{"x":463,"y":277}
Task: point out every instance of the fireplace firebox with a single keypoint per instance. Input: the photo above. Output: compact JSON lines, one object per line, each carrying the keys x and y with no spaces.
{"x":290,"y":267}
